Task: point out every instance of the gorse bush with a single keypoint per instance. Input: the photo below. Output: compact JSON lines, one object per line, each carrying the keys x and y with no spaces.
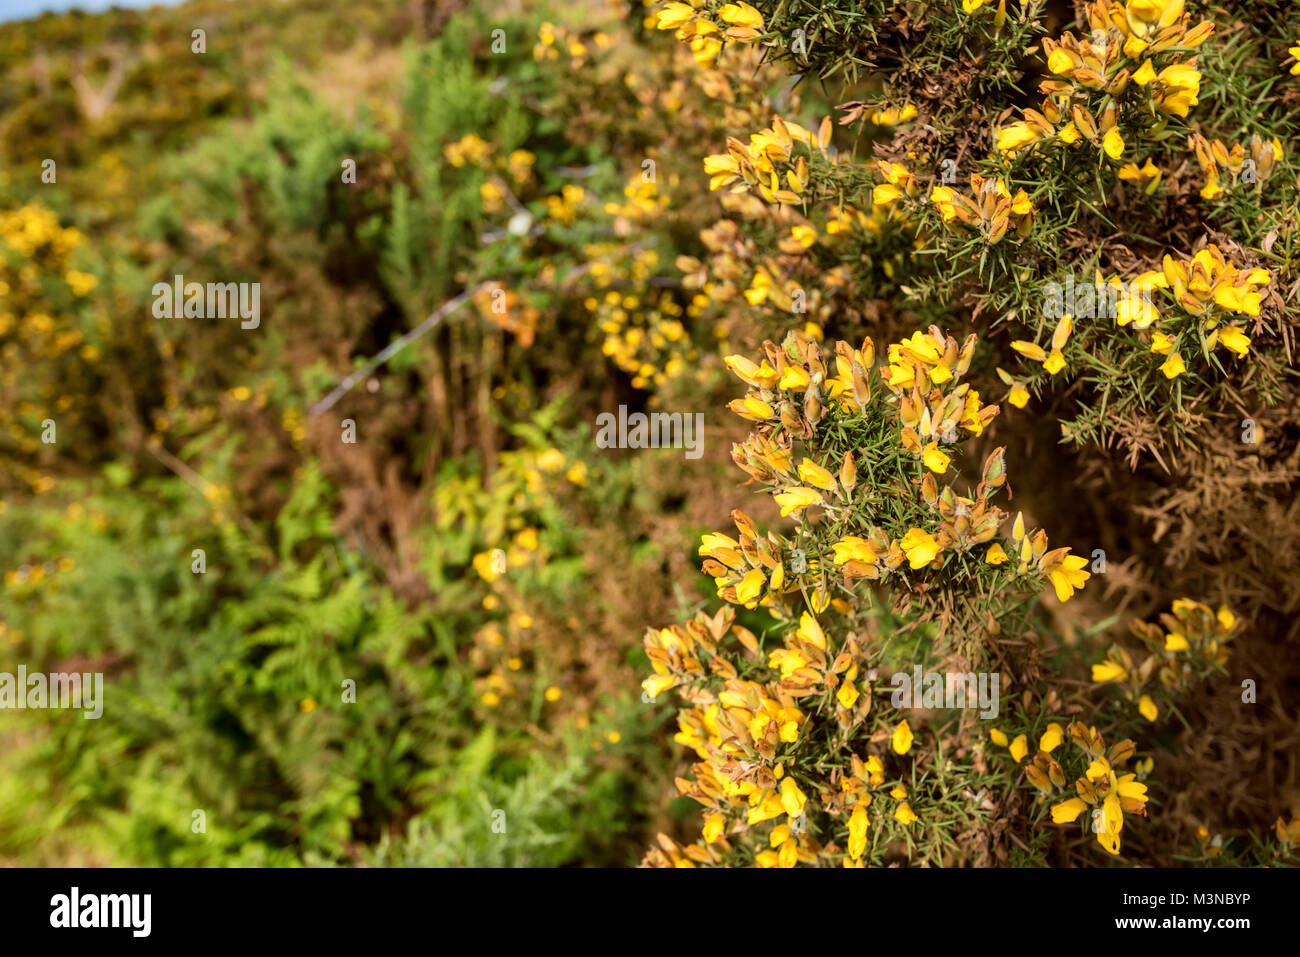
{"x":984,"y":553}
{"x":1045,"y":229}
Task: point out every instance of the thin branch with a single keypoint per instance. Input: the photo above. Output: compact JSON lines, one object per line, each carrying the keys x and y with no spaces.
{"x":394,"y":347}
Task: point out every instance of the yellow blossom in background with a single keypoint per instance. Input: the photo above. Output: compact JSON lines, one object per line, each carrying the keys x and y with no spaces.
{"x":902,"y":739}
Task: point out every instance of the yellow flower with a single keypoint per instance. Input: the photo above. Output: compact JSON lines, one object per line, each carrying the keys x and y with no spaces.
{"x":1232,"y":338}
{"x":1113,"y":144}
{"x":794,"y":379}
{"x":847,"y":695}
{"x":1112,"y":821}
{"x":814,"y":474}
{"x":858,"y":831}
{"x":1030,"y":350}
{"x":1238,"y":299}
{"x":853,"y":548}
{"x":935,"y":459}
{"x":1182,"y":84}
{"x":998,"y":737}
{"x":1147,"y":708}
{"x":756,"y":410}
{"x":673,"y":15}
{"x":942,"y":197}
{"x":486,"y":564}
{"x":1147,"y":176}
{"x":805,"y":235}
{"x":810,"y":631}
{"x":1051,"y":738}
{"x":904,"y":814}
{"x":996,"y":555}
{"x":1108,"y":670}
{"x":714,"y":826}
{"x":793,"y":800}
{"x":741,"y":15}
{"x":1145,"y":74}
{"x":1015,"y":136}
{"x":885,"y":194}
{"x":1068,"y":811}
{"x":920,"y":548}
{"x":1173,"y":366}
{"x":761,"y":377}
{"x":553,"y":693}
{"x":1019,"y":748}
{"x":1068,"y":574}
{"x":751,"y":586}
{"x":1060,"y":62}
{"x":902,"y":739}
{"x":80,"y":283}
{"x":771,"y":806}
{"x":705,"y":50}
{"x":796,"y":499}
{"x":892,"y":117}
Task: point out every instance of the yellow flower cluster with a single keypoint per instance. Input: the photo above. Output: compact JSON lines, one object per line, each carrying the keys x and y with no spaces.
{"x":470,"y":150}
{"x":768,"y":162}
{"x":924,"y":373}
{"x":892,"y":116}
{"x":740,"y":729}
{"x":1206,"y":287}
{"x":518,"y":167}
{"x":1142,"y":42}
{"x":646,"y":339}
{"x":1104,"y":786}
{"x":554,"y":42}
{"x":564,"y":206}
{"x":791,"y":390}
{"x":791,"y":284}
{"x":704,"y":31}
{"x":1214,"y":155}
{"x":754,"y":735}
{"x":1053,"y":361}
{"x":41,"y":297}
{"x":990,"y":208}
{"x":1191,"y":645}
{"x":33,"y":575}
{"x":34,"y":228}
